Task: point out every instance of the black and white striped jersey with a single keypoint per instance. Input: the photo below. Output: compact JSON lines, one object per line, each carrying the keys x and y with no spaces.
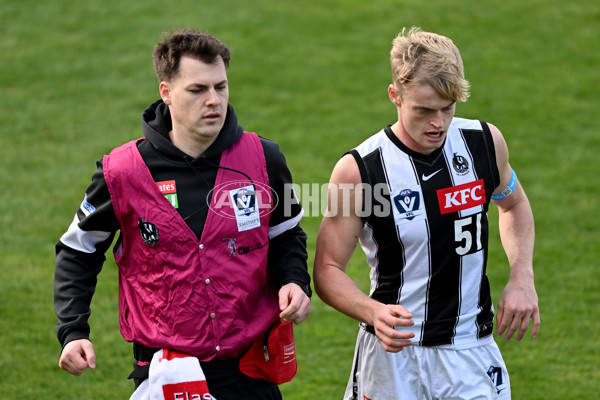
{"x":425,"y":231}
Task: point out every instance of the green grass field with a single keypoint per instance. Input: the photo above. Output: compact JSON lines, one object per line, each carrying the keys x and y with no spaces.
{"x":311,"y":75}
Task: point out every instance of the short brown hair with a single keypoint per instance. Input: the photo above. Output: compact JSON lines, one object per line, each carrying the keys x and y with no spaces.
{"x":187,"y":42}
{"x":419,"y":57}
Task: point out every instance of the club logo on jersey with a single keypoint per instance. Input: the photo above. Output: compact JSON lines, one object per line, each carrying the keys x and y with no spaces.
{"x":495,"y":374}
{"x":461,"y":197}
{"x":460,"y":164}
{"x":231,"y":246}
{"x":408,"y":204}
{"x":169,"y":189}
{"x":149,"y":232}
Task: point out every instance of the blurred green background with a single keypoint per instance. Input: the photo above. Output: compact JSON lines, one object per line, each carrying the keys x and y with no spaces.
{"x":312,"y":75}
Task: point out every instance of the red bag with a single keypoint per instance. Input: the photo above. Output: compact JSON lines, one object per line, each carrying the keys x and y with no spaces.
{"x":272,"y":357}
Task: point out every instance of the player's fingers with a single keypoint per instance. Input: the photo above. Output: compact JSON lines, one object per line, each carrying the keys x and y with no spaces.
{"x":536,"y":323}
{"x":399,"y":311}
{"x":523,"y":327}
{"x":77,"y":356}
{"x":393,"y":316}
{"x":284,"y":297}
{"x":514,"y":324}
{"x":500,"y":320}
{"x":298,"y":310}
{"x":391,"y":335}
{"x":89,"y":355}
{"x":73,"y":365}
{"x":392,"y":345}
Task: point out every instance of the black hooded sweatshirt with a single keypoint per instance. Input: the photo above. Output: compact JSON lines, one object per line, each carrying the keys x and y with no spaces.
{"x":77,"y":267}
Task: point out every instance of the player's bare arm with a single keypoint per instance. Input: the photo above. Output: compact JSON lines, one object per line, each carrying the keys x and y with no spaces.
{"x":336,"y":242}
{"x":518,"y":303}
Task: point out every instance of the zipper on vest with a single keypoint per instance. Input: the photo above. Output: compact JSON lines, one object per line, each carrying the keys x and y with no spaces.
{"x":266,"y":343}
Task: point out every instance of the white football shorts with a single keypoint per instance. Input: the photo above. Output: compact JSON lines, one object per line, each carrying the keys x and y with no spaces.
{"x":419,"y":372}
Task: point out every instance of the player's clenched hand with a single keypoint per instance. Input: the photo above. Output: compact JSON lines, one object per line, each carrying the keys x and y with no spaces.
{"x":293,"y":303}
{"x":77,"y":356}
{"x":386,"y":318}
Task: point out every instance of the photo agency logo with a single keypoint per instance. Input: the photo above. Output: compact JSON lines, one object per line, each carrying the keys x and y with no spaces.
{"x":247,"y":202}
{"x":348,"y":199}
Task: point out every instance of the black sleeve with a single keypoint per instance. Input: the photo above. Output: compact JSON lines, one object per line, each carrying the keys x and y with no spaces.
{"x":75,"y":280}
{"x":287,"y":259}
{"x":79,"y":261}
{"x":287,"y":250}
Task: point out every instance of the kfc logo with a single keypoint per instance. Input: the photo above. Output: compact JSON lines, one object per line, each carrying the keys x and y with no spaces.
{"x":461,"y":197}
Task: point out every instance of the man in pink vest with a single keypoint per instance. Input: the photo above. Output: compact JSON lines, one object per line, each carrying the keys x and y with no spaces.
{"x":209,"y":258}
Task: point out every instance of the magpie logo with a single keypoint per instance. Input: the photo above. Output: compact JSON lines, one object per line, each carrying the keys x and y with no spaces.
{"x":149,"y":232}
{"x":460,"y":164}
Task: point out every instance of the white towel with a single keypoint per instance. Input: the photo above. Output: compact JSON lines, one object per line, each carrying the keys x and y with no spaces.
{"x":173,"y":376}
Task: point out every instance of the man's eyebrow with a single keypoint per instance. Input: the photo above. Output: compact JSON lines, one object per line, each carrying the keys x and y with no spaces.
{"x":204,"y":85}
{"x":451,"y":104}
{"x":417,"y":107}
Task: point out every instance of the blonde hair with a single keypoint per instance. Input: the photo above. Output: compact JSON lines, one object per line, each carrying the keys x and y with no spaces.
{"x":419,"y":57}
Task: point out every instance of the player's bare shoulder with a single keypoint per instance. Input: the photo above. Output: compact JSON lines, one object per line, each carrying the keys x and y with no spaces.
{"x":346,"y":171}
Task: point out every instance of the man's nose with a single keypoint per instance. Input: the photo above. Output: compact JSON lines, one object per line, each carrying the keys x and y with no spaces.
{"x":212,"y":97}
{"x":438,"y":120}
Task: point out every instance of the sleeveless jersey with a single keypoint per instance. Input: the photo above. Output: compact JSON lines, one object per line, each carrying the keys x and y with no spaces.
{"x":425,"y":231}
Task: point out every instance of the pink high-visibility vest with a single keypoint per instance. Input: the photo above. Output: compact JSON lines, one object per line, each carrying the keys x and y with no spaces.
{"x":209,"y":297}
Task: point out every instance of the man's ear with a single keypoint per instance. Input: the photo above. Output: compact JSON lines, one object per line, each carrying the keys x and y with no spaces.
{"x":165,"y":92}
{"x":394,"y":95}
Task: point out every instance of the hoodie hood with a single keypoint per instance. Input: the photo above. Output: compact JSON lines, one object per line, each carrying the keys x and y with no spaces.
{"x":156,"y":125}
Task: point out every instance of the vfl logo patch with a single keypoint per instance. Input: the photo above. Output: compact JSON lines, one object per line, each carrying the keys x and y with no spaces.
{"x":242,"y":202}
{"x":495,"y":374}
{"x":149,"y":232}
{"x":461,"y":197}
{"x":169,"y":189}
{"x":247,"y":214}
{"x":408,"y":203}
{"x":460,"y":164}
{"x":244,"y":199}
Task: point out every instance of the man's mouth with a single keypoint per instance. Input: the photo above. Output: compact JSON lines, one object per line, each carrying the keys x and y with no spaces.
{"x":435,"y":135}
{"x":214,"y":115}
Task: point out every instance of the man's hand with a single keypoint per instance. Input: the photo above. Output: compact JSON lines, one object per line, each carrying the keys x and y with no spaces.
{"x":293,"y":303}
{"x":385,"y":319}
{"x":516,"y":306}
{"x":77,"y":356}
